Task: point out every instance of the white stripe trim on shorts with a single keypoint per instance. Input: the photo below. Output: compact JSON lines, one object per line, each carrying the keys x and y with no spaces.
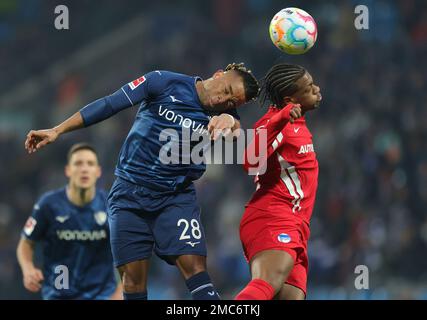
{"x":202,"y":287}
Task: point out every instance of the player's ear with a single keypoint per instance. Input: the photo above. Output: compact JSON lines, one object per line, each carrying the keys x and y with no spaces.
{"x":67,"y":171}
{"x":287,"y":100}
{"x":98,"y":172}
{"x":218,"y":73}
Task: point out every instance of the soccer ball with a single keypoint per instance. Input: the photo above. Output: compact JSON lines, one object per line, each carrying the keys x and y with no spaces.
{"x":293,"y":31}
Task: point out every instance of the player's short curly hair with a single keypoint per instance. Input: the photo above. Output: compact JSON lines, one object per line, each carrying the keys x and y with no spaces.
{"x":251,"y":84}
{"x":79,"y":146}
{"x":279,"y":82}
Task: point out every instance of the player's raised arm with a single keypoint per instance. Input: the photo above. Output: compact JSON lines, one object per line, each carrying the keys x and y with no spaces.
{"x":99,"y":110}
{"x":37,"y":139}
{"x":272,"y":126}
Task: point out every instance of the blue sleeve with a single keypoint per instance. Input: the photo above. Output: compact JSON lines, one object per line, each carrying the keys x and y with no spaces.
{"x":144,"y":88}
{"x":37,"y":224}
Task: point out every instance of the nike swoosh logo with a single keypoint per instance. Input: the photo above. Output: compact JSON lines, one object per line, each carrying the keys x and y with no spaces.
{"x":174,"y":100}
{"x":62,"y":219}
{"x":296,"y":130}
{"x":192,"y":243}
{"x":211,"y":293}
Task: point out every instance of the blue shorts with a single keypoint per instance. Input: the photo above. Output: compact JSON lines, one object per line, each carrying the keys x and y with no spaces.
{"x":142,"y":219}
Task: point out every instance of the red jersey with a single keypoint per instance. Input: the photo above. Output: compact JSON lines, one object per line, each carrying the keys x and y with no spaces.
{"x":290,"y":179}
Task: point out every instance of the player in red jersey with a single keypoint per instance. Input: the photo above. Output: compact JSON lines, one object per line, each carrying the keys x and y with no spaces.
{"x":274,"y":229}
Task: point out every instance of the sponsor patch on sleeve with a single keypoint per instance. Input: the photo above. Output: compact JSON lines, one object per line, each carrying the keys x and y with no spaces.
{"x":29,"y":226}
{"x":136,"y":83}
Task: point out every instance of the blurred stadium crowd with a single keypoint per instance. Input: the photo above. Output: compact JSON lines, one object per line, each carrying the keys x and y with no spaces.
{"x":369,"y":134}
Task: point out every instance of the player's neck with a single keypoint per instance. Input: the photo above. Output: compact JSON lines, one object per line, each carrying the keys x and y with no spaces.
{"x":80,"y":197}
{"x":201,"y":92}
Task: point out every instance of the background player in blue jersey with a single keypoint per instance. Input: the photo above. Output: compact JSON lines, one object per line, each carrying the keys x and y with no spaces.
{"x":71,"y":222}
{"x":152,"y":203}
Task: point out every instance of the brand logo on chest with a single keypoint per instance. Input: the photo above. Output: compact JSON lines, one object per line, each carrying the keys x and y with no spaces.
{"x":306,"y":148}
{"x":187,"y":123}
{"x":100,"y":217}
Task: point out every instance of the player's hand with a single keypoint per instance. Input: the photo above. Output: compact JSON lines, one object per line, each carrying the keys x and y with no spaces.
{"x":37,"y":139}
{"x":295,"y":113}
{"x":118,"y":294}
{"x":221,"y":125}
{"x":32,"y":279}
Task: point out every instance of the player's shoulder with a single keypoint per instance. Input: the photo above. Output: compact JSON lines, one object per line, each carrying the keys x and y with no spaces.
{"x":158,"y":83}
{"x":169,"y":82}
{"x":51,"y":196}
{"x":271,"y":111}
{"x":167,"y":75}
{"x":265,"y":118}
{"x":102,"y":193}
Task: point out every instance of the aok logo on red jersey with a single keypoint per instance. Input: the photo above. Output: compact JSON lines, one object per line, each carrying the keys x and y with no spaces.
{"x":306,"y":149}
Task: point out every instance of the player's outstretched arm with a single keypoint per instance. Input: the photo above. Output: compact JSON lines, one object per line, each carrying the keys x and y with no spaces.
{"x":37,"y":139}
{"x":31,"y":275}
{"x":272,"y":127}
{"x":127,"y":96}
{"x":289,"y":113}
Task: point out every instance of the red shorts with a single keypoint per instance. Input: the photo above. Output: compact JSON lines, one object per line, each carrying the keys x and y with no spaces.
{"x":265,"y":230}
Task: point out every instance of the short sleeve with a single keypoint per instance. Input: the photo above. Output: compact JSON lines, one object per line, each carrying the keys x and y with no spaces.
{"x":148,"y":86}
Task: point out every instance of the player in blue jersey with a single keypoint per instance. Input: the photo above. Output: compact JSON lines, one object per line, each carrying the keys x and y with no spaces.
{"x":71,"y":223}
{"x":152,"y":203}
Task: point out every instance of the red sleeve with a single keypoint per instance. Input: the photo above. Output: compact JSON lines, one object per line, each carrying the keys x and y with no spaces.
{"x":272,"y":127}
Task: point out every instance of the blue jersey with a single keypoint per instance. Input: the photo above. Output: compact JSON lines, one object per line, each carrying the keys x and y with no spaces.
{"x":75,"y":238}
{"x":171,"y":124}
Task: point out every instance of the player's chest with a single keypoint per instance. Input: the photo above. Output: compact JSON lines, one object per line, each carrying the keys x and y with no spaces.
{"x":79,"y":225}
{"x":75,"y":220}
{"x":179,"y":111}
